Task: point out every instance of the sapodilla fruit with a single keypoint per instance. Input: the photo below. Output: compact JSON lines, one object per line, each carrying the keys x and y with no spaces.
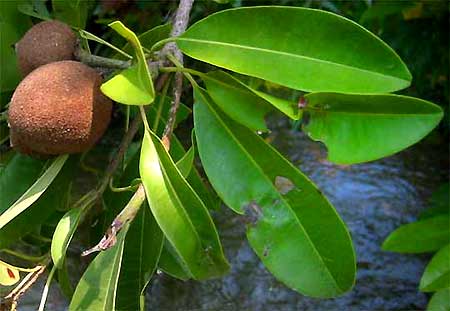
{"x":44,"y":43}
{"x":58,"y":109}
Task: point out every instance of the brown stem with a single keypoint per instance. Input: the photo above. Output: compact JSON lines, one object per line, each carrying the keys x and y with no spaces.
{"x":179,"y":26}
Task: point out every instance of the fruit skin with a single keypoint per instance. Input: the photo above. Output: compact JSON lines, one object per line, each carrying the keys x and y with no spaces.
{"x":58,"y":109}
{"x":44,"y":43}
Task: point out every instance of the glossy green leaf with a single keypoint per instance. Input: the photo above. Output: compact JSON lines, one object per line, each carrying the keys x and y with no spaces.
{"x":300,"y":48}
{"x":97,"y":287}
{"x":354,"y":127}
{"x":72,"y":12}
{"x":34,"y":192}
{"x":54,"y":198}
{"x":13,"y":25}
{"x":437,"y":272}
{"x":140,"y":256}
{"x":243,"y":103}
{"x":132,"y":86}
{"x":177,"y":150}
{"x":66,"y":228}
{"x":423,"y":236}
{"x":239,"y":103}
{"x":180,"y":213}
{"x":292,"y":227}
{"x":440,"y":301}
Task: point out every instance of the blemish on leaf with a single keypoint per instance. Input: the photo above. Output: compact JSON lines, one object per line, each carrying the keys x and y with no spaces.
{"x":10,"y":273}
{"x":253,"y":213}
{"x":266,"y":251}
{"x":284,"y":185}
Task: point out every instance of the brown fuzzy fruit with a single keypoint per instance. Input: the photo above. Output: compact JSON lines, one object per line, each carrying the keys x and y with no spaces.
{"x":58,"y":109}
{"x":44,"y":43}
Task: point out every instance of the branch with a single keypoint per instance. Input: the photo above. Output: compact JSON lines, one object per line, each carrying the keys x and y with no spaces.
{"x":179,"y":26}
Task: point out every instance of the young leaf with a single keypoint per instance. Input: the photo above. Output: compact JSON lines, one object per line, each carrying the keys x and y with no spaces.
{"x":66,"y":228}
{"x":89,"y":36}
{"x":354,"y":127}
{"x":140,"y":257}
{"x":9,"y":275}
{"x":440,"y":301}
{"x":132,"y":86}
{"x":305,"y":49}
{"x":180,"y":213}
{"x":150,"y":37}
{"x":34,"y":192}
{"x":98,"y":286}
{"x":437,"y":272}
{"x":292,"y":227}
{"x":423,"y":236}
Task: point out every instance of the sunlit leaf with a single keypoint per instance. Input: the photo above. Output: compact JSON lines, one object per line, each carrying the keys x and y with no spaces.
{"x":180,"y":213}
{"x":291,"y":226}
{"x":360,"y":128}
{"x":305,"y":49}
{"x":150,"y":37}
{"x":34,"y":192}
{"x":420,"y":237}
{"x":437,"y":272}
{"x":66,"y":228}
{"x":9,"y":275}
{"x":132,"y":86}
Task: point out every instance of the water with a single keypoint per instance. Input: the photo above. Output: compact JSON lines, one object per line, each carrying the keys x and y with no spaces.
{"x":373,"y":199}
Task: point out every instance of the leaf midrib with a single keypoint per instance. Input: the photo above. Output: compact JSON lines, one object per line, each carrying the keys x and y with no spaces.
{"x":279,"y":195}
{"x":244,"y":47}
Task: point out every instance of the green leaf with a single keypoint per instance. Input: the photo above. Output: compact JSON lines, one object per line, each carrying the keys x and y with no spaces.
{"x":440,"y":301}
{"x":150,"y":37}
{"x":300,"y":48}
{"x":437,"y":272}
{"x":239,"y":103}
{"x":34,"y":192}
{"x":132,"y":86}
{"x":360,"y":128}
{"x":170,"y":263}
{"x":35,"y":9}
{"x":292,"y":227}
{"x":243,"y":103}
{"x":180,"y":213}
{"x":13,"y":25}
{"x":64,"y":282}
{"x":54,"y":198}
{"x":140,"y":256}
{"x":89,"y":36}
{"x":66,"y":228}
{"x":98,"y":286}
{"x":423,"y":236}
{"x":72,"y":12}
